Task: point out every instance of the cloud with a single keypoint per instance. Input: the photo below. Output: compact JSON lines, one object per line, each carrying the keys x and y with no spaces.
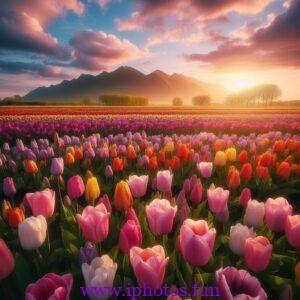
{"x":274,"y":46}
{"x":36,"y":69}
{"x":94,"y":50}
{"x":23,"y":25}
{"x":187,"y":16}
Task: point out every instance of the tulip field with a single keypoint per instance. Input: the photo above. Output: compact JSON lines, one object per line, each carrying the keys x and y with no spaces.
{"x":112,"y":204}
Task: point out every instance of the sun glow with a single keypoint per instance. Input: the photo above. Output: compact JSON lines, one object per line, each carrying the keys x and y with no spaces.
{"x":241,"y":82}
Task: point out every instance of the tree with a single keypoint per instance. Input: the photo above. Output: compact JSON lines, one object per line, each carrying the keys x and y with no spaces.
{"x":123,"y":100}
{"x":87,"y":101}
{"x":259,"y":94}
{"x":201,"y":100}
{"x":177,"y":101}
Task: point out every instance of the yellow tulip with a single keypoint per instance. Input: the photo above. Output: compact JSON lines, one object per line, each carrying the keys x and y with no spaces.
{"x":220,"y":159}
{"x":92,"y":189}
{"x":231,"y":154}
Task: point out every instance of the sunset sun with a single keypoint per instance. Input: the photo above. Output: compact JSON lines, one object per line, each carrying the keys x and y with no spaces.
{"x":242,"y":82}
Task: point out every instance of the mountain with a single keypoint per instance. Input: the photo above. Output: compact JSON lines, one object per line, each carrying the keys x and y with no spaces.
{"x":158,"y":86}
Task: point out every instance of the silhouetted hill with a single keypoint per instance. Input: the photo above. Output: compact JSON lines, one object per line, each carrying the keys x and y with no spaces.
{"x":157,"y":86}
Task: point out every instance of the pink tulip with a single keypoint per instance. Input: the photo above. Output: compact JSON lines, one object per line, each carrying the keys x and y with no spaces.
{"x":277,"y":210}
{"x":41,"y":203}
{"x":254,"y":214}
{"x":51,"y":286}
{"x":258,"y":252}
{"x":217,"y":199}
{"x":130,"y":235}
{"x":292,"y":230}
{"x":196,"y":193}
{"x":160,"y":216}
{"x":205,"y":169}
{"x":105,"y":200}
{"x":94,"y":223}
{"x":138,"y":185}
{"x":75,"y":187}
{"x":245,"y":197}
{"x":7,"y":260}
{"x":9,"y":188}
{"x":131,"y":215}
{"x":164,"y":181}
{"x":196,"y":242}
{"x":149,"y":265}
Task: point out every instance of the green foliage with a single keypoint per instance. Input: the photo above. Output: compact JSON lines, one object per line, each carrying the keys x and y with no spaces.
{"x":123,"y":100}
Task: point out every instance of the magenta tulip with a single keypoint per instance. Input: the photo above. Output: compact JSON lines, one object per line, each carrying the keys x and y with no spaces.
{"x":75,"y":187}
{"x":196,"y":242}
{"x":196,"y":193}
{"x":245,"y":197}
{"x":258,"y":252}
{"x":41,"y":203}
{"x":160,"y":216}
{"x":9,"y":188}
{"x":149,"y":265}
{"x":7,"y":260}
{"x":292,"y":230}
{"x":276,"y":212}
{"x":94,"y":222}
{"x":51,"y":286}
{"x":130,"y":236}
{"x":138,"y":185}
{"x":217,"y":199}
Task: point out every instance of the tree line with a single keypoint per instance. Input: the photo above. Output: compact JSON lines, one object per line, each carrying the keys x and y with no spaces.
{"x":260,"y":94}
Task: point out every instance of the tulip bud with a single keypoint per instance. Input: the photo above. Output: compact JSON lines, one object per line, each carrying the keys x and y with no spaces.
{"x":245,"y":197}
{"x":92,"y":189}
{"x":220,"y":159}
{"x":9,"y":187}
{"x":30,"y":167}
{"x":122,"y":197}
{"x":186,"y":186}
{"x":258,"y":252}
{"x":57,"y":166}
{"x":130,"y":235}
{"x":67,"y":201}
{"x":7,"y":260}
{"x":283,"y":170}
{"x":5,"y":208}
{"x":196,"y":193}
{"x":255,"y":213}
{"x":46,"y":182}
{"x":87,"y":253}
{"x":75,"y":187}
{"x":246,"y":171}
{"x":32,"y":232}
{"x":108,"y":171}
{"x":15,"y":215}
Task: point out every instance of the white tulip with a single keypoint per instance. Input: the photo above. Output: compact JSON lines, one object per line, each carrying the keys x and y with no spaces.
{"x":100,"y":273}
{"x":255,"y":213}
{"x":32,"y":232}
{"x":238,"y":235}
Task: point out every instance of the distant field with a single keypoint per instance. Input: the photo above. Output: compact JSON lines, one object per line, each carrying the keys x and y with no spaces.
{"x":148,"y":110}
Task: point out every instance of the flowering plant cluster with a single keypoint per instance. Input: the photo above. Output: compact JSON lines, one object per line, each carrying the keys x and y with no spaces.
{"x":103,"y":211}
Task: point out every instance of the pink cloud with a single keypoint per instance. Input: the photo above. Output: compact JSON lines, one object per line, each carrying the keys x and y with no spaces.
{"x":94,"y":50}
{"x":274,"y":46}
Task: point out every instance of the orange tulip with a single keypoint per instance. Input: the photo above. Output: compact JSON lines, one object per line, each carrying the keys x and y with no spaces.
{"x":220,"y":159}
{"x":279,"y":147}
{"x":243,"y":157}
{"x":69,"y":158}
{"x":262,"y":173}
{"x":182,"y":151}
{"x":218,"y":145}
{"x":149,"y":151}
{"x":246,"y":171}
{"x":175,"y":163}
{"x":266,"y":159}
{"x":122,"y":197}
{"x":71,"y":150}
{"x":131,"y":152}
{"x":233,"y":178}
{"x":15,"y":216}
{"x":295,"y":169}
{"x":118,"y":164}
{"x":153,"y":163}
{"x":5,"y":208}
{"x":30,"y":166}
{"x":283,"y":170}
{"x":161,"y":157}
{"x":78,"y":155}
{"x":43,"y":163}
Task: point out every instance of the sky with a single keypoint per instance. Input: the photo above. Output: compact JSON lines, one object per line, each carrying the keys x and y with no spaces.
{"x":236,"y":43}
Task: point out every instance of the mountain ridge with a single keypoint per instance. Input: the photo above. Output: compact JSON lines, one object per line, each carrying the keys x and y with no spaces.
{"x":158,"y":86}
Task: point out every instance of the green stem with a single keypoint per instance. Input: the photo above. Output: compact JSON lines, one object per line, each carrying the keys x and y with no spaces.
{"x":48,"y":241}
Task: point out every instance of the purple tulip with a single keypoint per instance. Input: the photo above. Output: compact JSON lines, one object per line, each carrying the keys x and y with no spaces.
{"x":87,"y":253}
{"x":238,"y":284}
{"x":108,"y":171}
{"x":57,"y":166}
